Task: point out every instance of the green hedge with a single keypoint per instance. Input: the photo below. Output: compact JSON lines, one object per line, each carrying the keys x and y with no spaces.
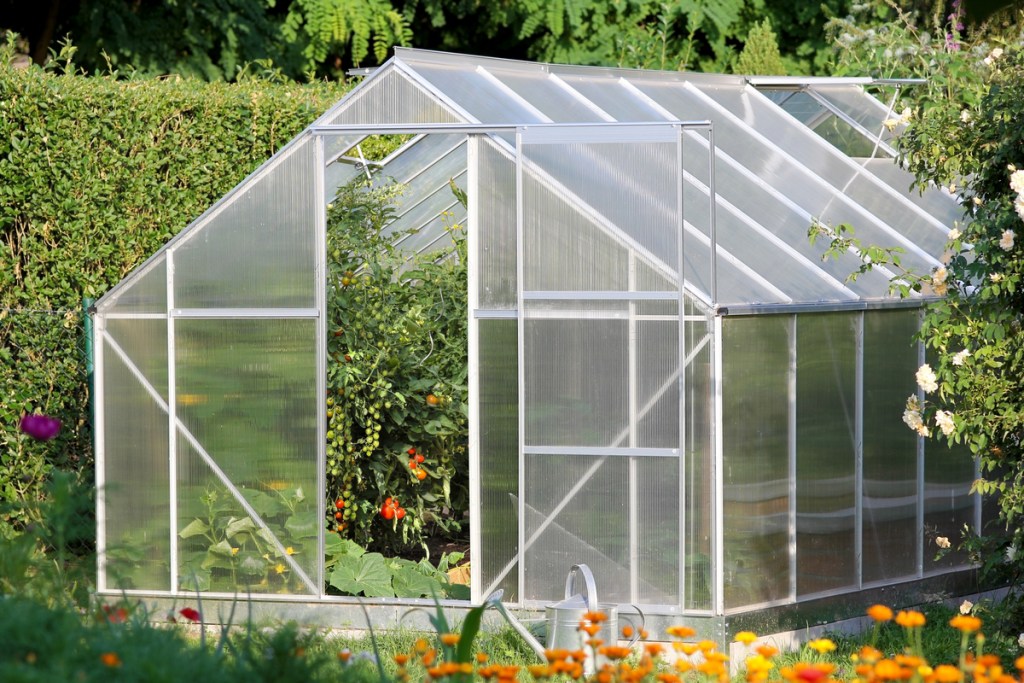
{"x":96,"y":174}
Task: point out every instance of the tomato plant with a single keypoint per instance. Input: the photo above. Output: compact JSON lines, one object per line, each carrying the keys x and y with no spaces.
{"x":396,"y":377}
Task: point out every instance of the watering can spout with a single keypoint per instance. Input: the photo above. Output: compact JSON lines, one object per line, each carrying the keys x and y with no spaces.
{"x":535,"y":645}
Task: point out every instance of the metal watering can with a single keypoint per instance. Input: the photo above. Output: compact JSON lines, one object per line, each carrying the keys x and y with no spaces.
{"x":563,"y":620}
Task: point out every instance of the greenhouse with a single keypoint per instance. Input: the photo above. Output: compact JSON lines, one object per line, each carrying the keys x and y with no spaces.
{"x":667,"y":380}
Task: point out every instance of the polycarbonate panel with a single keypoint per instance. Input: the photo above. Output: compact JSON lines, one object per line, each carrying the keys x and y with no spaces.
{"x":567,"y":525}
{"x":736,"y":282}
{"x":565,"y":249}
{"x":936,"y":202}
{"x":498,"y":457}
{"x":698,"y":457}
{"x":826,"y":458}
{"x":825,"y":163}
{"x":798,"y":104}
{"x":770,"y":238}
{"x":544,"y":93}
{"x":496,"y":221}
{"x":612,"y":96}
{"x":890,"y":536}
{"x":847,"y":139}
{"x":136,"y":490}
{"x":221,"y":548}
{"x":146,"y":293}
{"x":257,"y":250}
{"x":481,"y":97}
{"x":420,"y":207}
{"x":658,"y":497}
{"x":948,"y":503}
{"x":633,"y":186}
{"x":755,"y":459}
{"x":422,"y":153}
{"x":144,"y":341}
{"x":392,"y":98}
{"x":246,"y":391}
{"x":657,"y":383}
{"x":860,"y":106}
{"x":576,"y":374}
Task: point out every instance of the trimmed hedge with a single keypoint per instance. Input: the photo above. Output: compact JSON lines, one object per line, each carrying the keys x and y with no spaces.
{"x":96,"y":174}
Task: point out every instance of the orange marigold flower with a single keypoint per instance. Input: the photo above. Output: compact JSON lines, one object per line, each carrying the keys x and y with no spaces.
{"x":965,"y":623}
{"x":1019,"y":663}
{"x":481,"y":657}
{"x":888,"y":670}
{"x":627,"y":631}
{"x":767,"y":651}
{"x":401,"y":659}
{"x":653,"y":649}
{"x":595,"y":616}
{"x":947,"y":673}
{"x":345,"y":655}
{"x":110,"y":659}
{"x":685,"y":648}
{"x":822,"y":645}
{"x":680,"y":631}
{"x":910,"y":619}
{"x":745,"y":637}
{"x":869,"y":654}
{"x":989,"y":659}
{"x":428,"y":657}
{"x":706,"y":645}
{"x":683,"y":665}
{"x":590,"y":629}
{"x":615,"y":652}
{"x":668,"y":677}
{"x":450,"y":639}
{"x":556,"y":655}
{"x":539,"y":671}
{"x":421,"y":646}
{"x":880,"y":613}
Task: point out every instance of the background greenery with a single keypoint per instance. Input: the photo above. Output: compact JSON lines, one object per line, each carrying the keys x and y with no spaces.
{"x":213,"y":39}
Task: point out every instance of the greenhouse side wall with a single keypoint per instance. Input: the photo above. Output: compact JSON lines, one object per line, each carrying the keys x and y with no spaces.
{"x":825,"y":490}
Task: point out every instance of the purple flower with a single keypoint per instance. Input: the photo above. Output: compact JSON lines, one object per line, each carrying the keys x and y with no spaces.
{"x":41,"y":427}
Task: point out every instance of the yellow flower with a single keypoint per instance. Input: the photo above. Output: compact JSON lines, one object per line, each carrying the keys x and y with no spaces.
{"x":745,"y":637}
{"x":234,"y":551}
{"x":706,"y":645}
{"x":290,"y":550}
{"x":280,"y":568}
{"x":822,"y":645}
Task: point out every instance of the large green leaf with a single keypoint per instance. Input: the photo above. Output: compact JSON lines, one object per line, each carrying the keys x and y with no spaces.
{"x":409,"y":581}
{"x":237,"y":526}
{"x":302,"y":525}
{"x":367,"y":575}
{"x":196,"y":527}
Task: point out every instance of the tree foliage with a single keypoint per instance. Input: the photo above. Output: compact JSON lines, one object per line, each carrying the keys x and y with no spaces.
{"x":214,"y":39}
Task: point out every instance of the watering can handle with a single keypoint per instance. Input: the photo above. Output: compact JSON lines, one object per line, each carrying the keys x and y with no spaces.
{"x":588,"y":580}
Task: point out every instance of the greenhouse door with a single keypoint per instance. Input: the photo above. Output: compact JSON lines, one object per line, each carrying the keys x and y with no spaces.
{"x":599,"y":235}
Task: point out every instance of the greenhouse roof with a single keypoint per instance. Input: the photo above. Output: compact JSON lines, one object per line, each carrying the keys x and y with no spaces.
{"x":788,"y":152}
